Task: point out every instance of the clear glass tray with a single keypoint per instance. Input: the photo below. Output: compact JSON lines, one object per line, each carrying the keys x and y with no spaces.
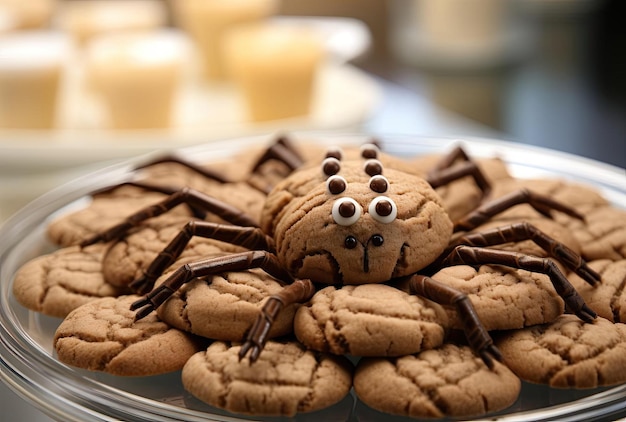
{"x":29,"y":366}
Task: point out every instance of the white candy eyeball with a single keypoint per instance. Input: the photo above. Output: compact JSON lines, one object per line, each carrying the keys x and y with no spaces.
{"x":383,"y":209}
{"x":346,"y":211}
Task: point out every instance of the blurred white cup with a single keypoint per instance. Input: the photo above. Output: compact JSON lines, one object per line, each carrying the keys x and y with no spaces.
{"x":137,"y":76}
{"x":207,"y":21}
{"x":31,"y":69}
{"x":275,"y":68}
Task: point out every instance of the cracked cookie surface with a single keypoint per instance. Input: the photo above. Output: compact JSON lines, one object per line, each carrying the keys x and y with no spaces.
{"x":103,"y":336}
{"x":568,"y":353}
{"x":447,"y":381}
{"x":504,"y":298}
{"x":608,"y":298}
{"x":285,"y":380}
{"x":57,"y":283}
{"x":369,"y":320}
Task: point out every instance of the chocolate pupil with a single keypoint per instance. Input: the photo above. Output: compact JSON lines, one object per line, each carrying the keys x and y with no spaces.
{"x":347,"y":209}
{"x":333,"y":153}
{"x":384,"y":208}
{"x":331,"y":167}
{"x":373,"y":168}
{"x":336,"y":186}
{"x":378,"y":185}
{"x":369,"y":152}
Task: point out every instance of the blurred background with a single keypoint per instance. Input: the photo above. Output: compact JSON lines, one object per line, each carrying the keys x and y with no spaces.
{"x":84,"y":83}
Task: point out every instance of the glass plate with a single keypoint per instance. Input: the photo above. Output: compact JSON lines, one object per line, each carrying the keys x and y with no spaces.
{"x":29,"y":366}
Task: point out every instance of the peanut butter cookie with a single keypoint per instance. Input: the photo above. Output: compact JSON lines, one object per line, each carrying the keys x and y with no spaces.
{"x":286,"y":380}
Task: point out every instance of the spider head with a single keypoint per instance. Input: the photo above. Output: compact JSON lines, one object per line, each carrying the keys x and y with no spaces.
{"x":352,"y":224}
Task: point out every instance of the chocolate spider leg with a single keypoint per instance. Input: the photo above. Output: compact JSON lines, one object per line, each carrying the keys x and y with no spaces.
{"x":203,"y":171}
{"x":446,"y":171}
{"x":518,"y":232}
{"x":541,"y":203}
{"x":183,"y":196}
{"x":281,"y":150}
{"x":251,"y":238}
{"x":298,"y":292}
{"x":477,"y":336}
{"x":206,"y":267}
{"x":470,"y":255}
{"x":166,"y":190}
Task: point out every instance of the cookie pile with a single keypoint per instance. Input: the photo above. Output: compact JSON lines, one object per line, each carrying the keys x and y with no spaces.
{"x":398,"y":352}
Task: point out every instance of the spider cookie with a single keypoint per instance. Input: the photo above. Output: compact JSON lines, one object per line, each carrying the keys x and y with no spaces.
{"x":57,"y":283}
{"x":224,"y":306}
{"x":608,"y":299}
{"x":568,"y":353}
{"x":447,"y":381}
{"x":103,"y":336}
{"x":369,"y":320}
{"x":286,"y":380}
{"x":504,"y":298}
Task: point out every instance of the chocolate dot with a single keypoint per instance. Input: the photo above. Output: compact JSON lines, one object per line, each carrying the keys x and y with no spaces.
{"x":334,"y":152}
{"x":347,"y":209}
{"x":373,"y":167}
{"x":350,"y":242}
{"x":369,"y":151}
{"x":336,"y":185}
{"x":384,"y":208}
{"x":379,"y":184}
{"x":377,"y":240}
{"x":331,"y":166}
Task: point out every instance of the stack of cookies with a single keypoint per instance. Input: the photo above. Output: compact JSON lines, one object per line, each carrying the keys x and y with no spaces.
{"x":399,"y":353}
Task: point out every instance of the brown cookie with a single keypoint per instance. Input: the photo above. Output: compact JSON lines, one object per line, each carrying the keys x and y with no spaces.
{"x":568,"y":353}
{"x":285,"y":380}
{"x":369,"y":320}
{"x":504,"y":298}
{"x":582,"y":198}
{"x":103,"y":336}
{"x":57,"y":283}
{"x":603,"y":233}
{"x":447,"y":381}
{"x":104,"y":211}
{"x":608,"y":298}
{"x":126,"y":260}
{"x":224,"y":306}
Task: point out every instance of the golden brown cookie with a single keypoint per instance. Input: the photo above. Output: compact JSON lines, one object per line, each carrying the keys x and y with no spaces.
{"x":224,"y":306}
{"x":603,"y":233}
{"x":104,"y":210}
{"x":504,"y":298}
{"x":447,"y":381}
{"x":369,"y":320}
{"x":608,"y":298}
{"x":126,"y":259}
{"x":57,"y":283}
{"x":568,"y":353}
{"x":103,"y":336}
{"x":287,"y":379}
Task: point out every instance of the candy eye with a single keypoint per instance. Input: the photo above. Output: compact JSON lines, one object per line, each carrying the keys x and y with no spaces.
{"x":346,"y":211}
{"x":379,"y":183}
{"x":369,"y":151}
{"x":373,"y":167}
{"x":336,"y":184}
{"x":331,"y":166}
{"x":383,"y":209}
